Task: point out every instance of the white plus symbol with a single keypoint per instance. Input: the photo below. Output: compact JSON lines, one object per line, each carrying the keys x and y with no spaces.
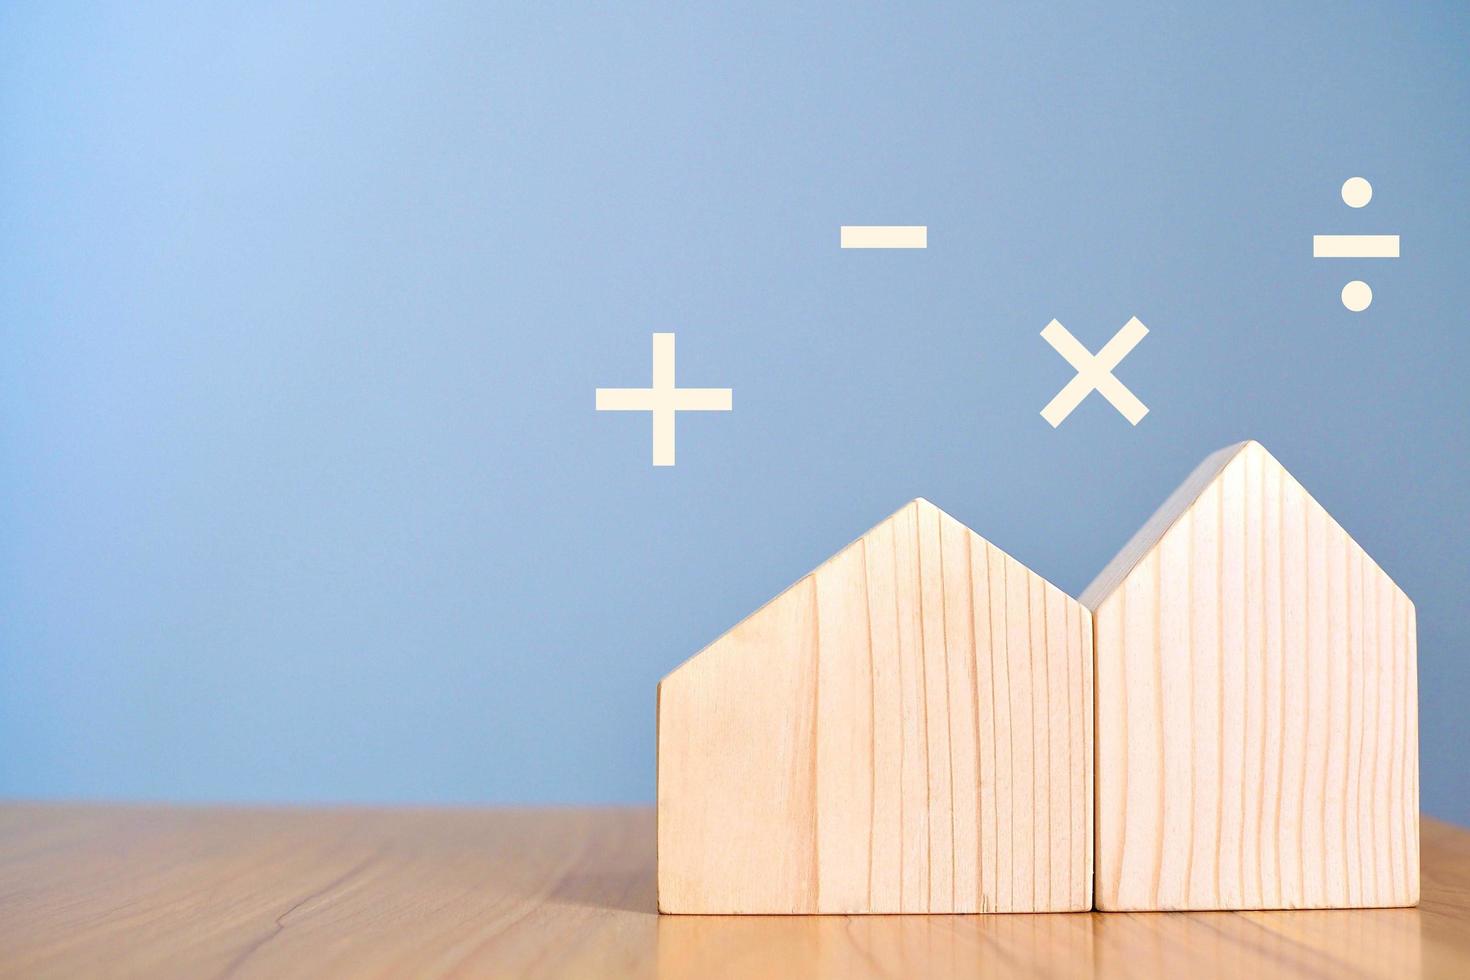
{"x":663,"y":399}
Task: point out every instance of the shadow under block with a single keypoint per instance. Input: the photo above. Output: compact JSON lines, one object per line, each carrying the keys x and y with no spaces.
{"x":906,"y":729}
{"x":1257,"y":723}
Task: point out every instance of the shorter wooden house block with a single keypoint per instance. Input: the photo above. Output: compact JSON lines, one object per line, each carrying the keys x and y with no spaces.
{"x":906,"y":729}
{"x":1257,"y":724}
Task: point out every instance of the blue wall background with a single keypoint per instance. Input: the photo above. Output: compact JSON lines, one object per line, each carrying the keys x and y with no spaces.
{"x":302,"y":493}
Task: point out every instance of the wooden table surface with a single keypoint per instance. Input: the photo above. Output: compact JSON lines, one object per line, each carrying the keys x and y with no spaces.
{"x":196,"y":892}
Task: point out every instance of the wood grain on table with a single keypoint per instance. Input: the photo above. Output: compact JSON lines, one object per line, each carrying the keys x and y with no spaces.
{"x":146,"y":891}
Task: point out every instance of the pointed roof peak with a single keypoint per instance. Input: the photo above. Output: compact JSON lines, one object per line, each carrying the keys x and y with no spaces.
{"x":919,"y":505}
{"x":1248,"y":453}
{"x":918,"y":517}
{"x":1169,"y":512}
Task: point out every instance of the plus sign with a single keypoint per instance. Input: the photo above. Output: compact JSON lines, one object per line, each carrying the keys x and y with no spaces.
{"x":663,"y":399}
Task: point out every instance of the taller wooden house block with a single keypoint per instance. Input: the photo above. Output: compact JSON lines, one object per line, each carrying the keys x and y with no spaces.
{"x":906,"y":729}
{"x":1257,"y":723}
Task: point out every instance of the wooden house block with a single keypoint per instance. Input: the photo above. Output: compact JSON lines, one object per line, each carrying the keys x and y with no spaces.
{"x":1257,"y":730}
{"x":906,"y":729}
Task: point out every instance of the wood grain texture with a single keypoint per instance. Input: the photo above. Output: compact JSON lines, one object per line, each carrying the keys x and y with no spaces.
{"x":162,"y":893}
{"x":906,"y":729}
{"x":1257,"y":725}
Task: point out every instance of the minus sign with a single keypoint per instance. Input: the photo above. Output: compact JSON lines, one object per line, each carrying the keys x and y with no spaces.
{"x":885,"y":236}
